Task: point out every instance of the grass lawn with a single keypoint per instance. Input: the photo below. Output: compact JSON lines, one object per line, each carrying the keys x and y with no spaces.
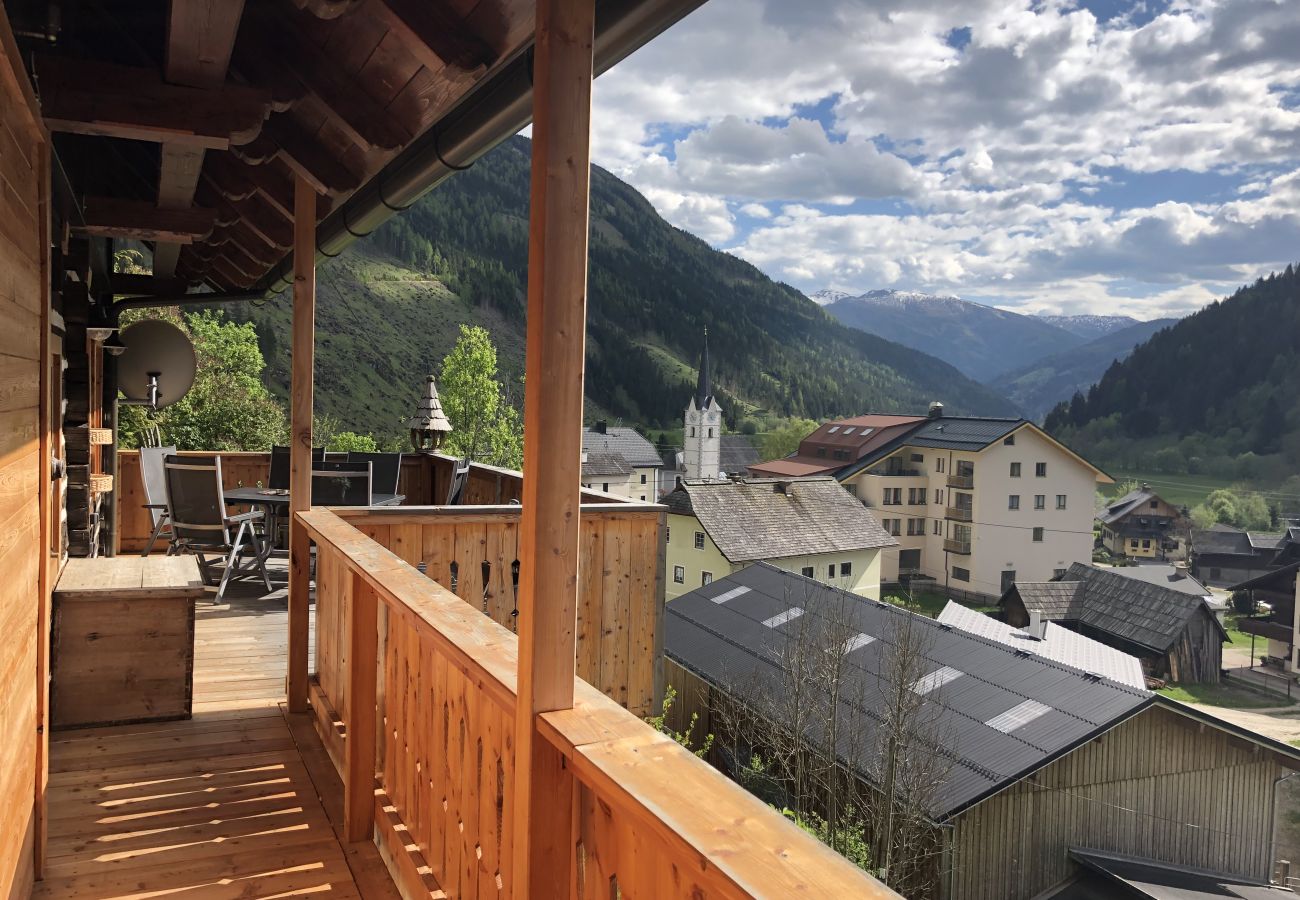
{"x":929,"y":603}
{"x":1224,"y":695}
{"x":1180,"y":490}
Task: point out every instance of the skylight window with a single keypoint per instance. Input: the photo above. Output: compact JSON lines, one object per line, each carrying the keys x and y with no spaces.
{"x":730,"y":595}
{"x":857,"y":641}
{"x":936,"y":679}
{"x":793,"y":612}
{"x":848,"y":430}
{"x":833,"y":429}
{"x":1019,"y":715}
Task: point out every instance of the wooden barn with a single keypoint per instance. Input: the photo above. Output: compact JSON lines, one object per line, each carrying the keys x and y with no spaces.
{"x":406,"y":719}
{"x":1046,"y":758}
{"x":1176,"y":635}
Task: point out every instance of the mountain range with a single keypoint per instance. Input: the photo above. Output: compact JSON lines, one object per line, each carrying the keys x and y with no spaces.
{"x":1211,"y":391}
{"x":389,"y":309}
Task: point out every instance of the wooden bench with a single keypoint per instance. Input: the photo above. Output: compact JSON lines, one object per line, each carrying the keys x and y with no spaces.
{"x":122,"y":640}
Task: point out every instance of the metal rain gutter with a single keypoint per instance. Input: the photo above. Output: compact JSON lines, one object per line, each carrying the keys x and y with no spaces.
{"x":492,"y":112}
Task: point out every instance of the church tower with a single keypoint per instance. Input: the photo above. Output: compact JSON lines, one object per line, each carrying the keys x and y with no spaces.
{"x":702,"y":437}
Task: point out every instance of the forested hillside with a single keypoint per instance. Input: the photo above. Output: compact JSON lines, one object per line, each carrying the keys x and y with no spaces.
{"x":1216,"y":392}
{"x":388,"y":310}
{"x":1042,"y":384}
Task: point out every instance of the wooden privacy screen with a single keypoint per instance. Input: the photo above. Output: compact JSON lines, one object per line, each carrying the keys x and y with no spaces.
{"x":424,"y":481}
{"x":423,"y":690}
{"x":472,"y":552}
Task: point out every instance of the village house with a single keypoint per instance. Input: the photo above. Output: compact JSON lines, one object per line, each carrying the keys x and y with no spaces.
{"x":1142,"y":525}
{"x":620,"y":461}
{"x":806,"y":525}
{"x":1045,"y":757}
{"x":975,"y":503}
{"x":1276,"y":591}
{"x":1222,"y":555}
{"x":1177,"y":635}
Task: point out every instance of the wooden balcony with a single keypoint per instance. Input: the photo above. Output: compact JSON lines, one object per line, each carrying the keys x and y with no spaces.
{"x":954,"y":546}
{"x":964,"y":482}
{"x":958,"y":513}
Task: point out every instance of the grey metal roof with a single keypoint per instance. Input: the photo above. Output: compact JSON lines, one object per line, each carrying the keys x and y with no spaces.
{"x":1166,"y":576}
{"x":1149,"y":615}
{"x":772,"y":518}
{"x":605,"y":462}
{"x":1056,"y":643}
{"x":718,"y":633}
{"x":1113,"y":875}
{"x":635,"y":449}
{"x":962,"y":432}
{"x":736,"y":453}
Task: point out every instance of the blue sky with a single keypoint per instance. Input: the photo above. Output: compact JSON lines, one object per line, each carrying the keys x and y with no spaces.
{"x":1047,"y":156}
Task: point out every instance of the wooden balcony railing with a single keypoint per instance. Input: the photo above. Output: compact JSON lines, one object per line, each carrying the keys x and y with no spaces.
{"x":954,"y":546}
{"x":962,"y":481}
{"x":416,"y":698}
{"x":960,"y":513}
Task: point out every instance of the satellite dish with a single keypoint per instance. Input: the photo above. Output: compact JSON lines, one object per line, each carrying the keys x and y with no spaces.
{"x":157,"y":367}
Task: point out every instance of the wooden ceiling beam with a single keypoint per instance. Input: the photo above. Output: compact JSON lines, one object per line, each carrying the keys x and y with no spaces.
{"x":146,"y":285}
{"x":229,"y":275}
{"x":141,"y":220}
{"x":307,"y":157}
{"x":200,"y":38}
{"x":280,"y":40}
{"x":256,"y":152}
{"x":434,"y":34}
{"x":95,"y":98}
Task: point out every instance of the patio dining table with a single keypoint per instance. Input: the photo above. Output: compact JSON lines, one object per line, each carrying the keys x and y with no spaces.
{"x":276,"y":503}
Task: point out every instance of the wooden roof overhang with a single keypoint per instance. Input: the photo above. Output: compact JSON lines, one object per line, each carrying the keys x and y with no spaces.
{"x":185,"y":124}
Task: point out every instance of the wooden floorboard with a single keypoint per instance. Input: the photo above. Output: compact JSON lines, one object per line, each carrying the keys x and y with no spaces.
{"x":235,"y":802}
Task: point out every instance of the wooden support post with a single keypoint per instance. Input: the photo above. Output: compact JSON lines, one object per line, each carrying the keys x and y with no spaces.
{"x":557,"y":301}
{"x":300,"y":411}
{"x":359,"y":749}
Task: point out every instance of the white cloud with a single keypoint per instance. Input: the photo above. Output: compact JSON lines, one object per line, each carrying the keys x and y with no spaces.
{"x":892,"y":158}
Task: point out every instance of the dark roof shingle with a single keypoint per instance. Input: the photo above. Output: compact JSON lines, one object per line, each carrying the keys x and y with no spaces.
{"x":635,"y":449}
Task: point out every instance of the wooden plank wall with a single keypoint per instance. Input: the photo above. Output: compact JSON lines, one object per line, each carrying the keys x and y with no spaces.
{"x":24,"y":202}
{"x":621,"y":590}
{"x":1137,"y":790}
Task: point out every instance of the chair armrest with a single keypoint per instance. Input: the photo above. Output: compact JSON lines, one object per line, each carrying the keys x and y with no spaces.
{"x":245,"y":517}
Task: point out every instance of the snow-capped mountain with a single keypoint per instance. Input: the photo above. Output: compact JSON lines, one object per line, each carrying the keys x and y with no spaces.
{"x":1091,"y":327}
{"x":827,"y":296}
{"x":982,"y":341}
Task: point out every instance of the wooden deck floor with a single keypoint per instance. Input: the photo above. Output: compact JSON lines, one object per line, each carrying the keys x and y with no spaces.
{"x":238,"y":802}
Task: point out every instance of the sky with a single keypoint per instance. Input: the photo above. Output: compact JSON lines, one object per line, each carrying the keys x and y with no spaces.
{"x":1102,"y":157}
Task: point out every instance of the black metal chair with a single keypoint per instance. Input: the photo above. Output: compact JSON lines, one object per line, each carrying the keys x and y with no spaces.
{"x":459,"y":478}
{"x":386,"y":469}
{"x":278,"y":479}
{"x":154,"y":477}
{"x":335,"y":483}
{"x":202,"y":525}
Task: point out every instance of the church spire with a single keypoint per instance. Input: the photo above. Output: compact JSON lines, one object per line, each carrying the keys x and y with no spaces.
{"x":704,"y":386}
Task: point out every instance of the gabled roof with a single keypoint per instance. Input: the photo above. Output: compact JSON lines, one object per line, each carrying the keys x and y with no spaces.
{"x":1166,"y":576}
{"x":962,"y":432}
{"x":1279,"y":579}
{"x":632,"y":446}
{"x":1221,"y":540}
{"x":853,"y":438}
{"x":1145,"y":614}
{"x":772,"y":518}
{"x":1056,"y":643}
{"x":1120,"y":508}
{"x":604,"y":462}
{"x":1002,"y":714}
